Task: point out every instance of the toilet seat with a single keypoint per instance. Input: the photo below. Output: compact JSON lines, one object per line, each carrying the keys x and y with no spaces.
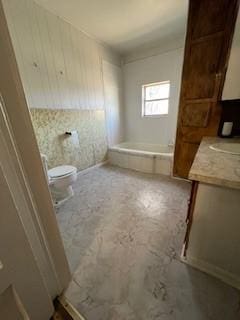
{"x":61,"y":171}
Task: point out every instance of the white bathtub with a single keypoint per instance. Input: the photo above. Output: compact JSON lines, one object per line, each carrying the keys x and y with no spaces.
{"x":150,"y":158}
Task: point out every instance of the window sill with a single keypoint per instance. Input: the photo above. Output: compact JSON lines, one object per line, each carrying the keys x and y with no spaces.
{"x":156,"y":116}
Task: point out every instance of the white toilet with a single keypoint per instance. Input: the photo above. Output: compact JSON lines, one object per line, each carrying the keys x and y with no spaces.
{"x":60,"y":180}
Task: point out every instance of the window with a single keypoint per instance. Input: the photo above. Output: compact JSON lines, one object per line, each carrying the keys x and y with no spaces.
{"x":155,"y":99}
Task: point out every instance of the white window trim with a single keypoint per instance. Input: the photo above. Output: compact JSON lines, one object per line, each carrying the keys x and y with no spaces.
{"x":144,"y":101}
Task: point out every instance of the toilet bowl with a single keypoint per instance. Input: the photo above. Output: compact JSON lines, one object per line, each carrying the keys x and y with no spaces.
{"x":60,"y":180}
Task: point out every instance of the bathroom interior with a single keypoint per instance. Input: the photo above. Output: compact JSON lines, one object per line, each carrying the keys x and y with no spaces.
{"x":138,"y":133}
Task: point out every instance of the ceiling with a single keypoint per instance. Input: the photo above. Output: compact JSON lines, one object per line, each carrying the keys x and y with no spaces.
{"x":124,"y":25}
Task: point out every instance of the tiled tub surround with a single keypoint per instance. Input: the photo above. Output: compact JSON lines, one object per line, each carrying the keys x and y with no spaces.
{"x":148,"y":158}
{"x":123,"y":234}
{"x":87,"y":147}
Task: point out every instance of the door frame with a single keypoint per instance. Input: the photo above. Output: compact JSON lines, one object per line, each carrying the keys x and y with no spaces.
{"x":16,"y":126}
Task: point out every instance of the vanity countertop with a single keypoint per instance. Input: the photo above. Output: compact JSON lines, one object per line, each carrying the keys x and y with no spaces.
{"x":210,"y":166}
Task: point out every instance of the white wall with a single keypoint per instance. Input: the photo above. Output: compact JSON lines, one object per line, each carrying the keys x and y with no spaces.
{"x":166,"y":66}
{"x":231,"y":87}
{"x":148,"y":50}
{"x":113,"y":90}
{"x":60,"y":66}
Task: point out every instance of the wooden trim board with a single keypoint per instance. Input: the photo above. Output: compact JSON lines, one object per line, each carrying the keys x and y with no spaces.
{"x":65,"y":310}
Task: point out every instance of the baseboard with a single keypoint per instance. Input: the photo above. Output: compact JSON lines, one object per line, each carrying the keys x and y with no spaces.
{"x":84,"y":171}
{"x":179,"y":178}
{"x":223,"y":275}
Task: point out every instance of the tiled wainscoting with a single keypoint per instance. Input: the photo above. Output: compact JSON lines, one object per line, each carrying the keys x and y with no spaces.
{"x":159,"y":164}
{"x":86,"y":147}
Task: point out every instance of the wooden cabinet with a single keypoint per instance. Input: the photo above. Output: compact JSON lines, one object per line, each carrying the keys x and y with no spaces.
{"x":209,"y":36}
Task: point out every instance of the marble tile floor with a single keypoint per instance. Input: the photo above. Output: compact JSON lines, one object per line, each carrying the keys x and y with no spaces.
{"x":123,"y":233}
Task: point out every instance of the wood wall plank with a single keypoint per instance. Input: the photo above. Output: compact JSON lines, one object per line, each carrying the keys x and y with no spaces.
{"x":60,"y":66}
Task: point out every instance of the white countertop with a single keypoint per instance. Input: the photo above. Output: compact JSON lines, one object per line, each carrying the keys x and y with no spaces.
{"x":210,"y":166}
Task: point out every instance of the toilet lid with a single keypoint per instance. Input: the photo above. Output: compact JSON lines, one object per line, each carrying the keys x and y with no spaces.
{"x":61,"y":171}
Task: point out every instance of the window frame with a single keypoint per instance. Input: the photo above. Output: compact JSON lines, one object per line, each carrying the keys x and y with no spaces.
{"x":146,"y":100}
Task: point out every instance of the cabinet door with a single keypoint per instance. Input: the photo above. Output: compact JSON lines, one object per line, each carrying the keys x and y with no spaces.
{"x":209,"y":35}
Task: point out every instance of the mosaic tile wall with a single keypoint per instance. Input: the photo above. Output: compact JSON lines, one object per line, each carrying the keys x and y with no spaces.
{"x":85,"y":148}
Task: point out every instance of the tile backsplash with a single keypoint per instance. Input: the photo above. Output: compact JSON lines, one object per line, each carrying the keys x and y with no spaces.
{"x":86,"y":147}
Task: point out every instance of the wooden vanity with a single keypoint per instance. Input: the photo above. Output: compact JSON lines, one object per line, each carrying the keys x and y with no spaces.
{"x":212,"y":241}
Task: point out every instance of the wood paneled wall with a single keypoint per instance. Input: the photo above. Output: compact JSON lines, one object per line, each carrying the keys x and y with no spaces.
{"x":60,"y":66}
